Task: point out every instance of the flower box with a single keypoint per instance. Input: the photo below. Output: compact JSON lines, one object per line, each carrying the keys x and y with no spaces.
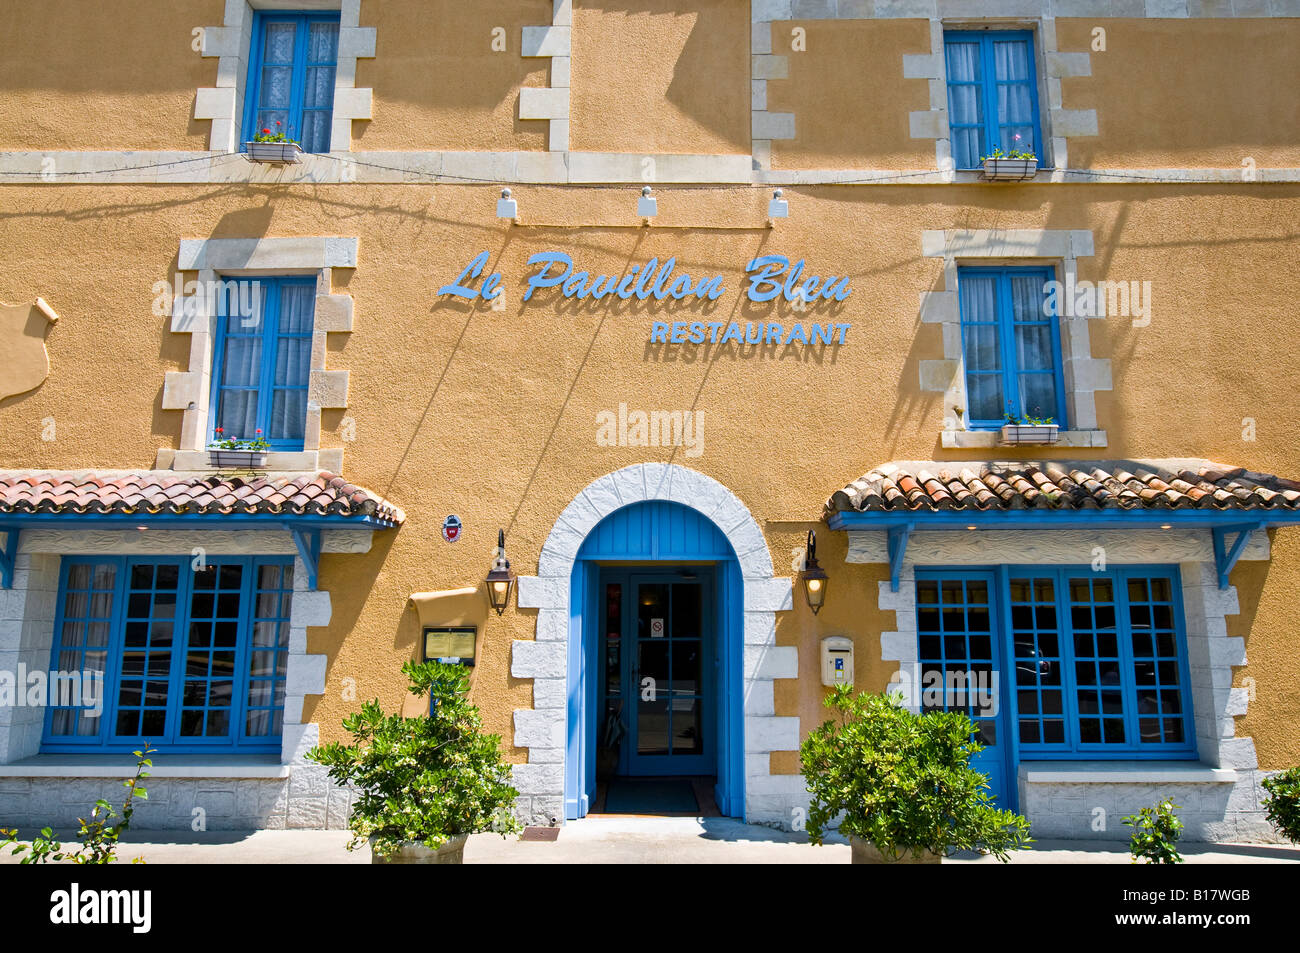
{"x":1013,"y":434}
{"x":276,"y":153}
{"x":1010,"y":170}
{"x":237,"y":459}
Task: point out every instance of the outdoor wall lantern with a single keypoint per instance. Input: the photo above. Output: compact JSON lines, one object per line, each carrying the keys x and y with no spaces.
{"x":507,"y":207}
{"x":778,"y":207}
{"x":500,"y":578}
{"x":646,"y":205}
{"x":813,"y":577}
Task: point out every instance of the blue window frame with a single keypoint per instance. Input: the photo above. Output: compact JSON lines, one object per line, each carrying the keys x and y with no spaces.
{"x":262,"y":363}
{"x":188,"y":659}
{"x":992,"y":94}
{"x":291,"y":77}
{"x":1099,"y":659}
{"x":1011,"y":346}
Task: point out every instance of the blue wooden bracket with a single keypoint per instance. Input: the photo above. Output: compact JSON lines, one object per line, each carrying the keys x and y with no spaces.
{"x":308,"y":543}
{"x":1224,"y":557}
{"x":8,"y":557}
{"x":898,"y":536}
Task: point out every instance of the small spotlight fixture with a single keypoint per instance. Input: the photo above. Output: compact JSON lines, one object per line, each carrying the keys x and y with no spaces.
{"x":507,"y":207}
{"x":1166,"y":525}
{"x":778,"y":207}
{"x":500,"y":578}
{"x":813,"y":577}
{"x":647,"y":206}
{"x":972,"y":526}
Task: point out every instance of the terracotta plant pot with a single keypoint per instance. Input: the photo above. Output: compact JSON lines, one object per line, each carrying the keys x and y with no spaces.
{"x":276,"y":153}
{"x":865,"y":852}
{"x":1010,"y":170}
{"x":1013,"y":434}
{"x":452,"y":852}
{"x":238,"y":459}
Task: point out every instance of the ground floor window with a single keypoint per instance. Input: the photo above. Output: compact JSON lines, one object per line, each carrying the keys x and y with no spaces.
{"x":183,"y":653}
{"x":1081,"y":663}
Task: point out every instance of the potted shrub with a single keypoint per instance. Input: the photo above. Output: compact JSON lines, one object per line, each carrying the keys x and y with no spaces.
{"x":1029,"y":430}
{"x":1014,"y":165}
{"x":1283,"y":803}
{"x":902,"y":783}
{"x":274,"y":147}
{"x":241,"y":454}
{"x":1155,"y":834}
{"x":424,"y":783}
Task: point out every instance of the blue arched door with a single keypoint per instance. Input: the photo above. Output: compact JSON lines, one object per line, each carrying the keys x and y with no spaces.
{"x":655,"y":654}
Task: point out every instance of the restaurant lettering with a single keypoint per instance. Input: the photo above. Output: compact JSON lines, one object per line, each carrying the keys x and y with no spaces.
{"x":768,"y":278}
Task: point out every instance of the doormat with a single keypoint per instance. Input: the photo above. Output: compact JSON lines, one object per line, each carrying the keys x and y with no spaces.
{"x":650,"y":796}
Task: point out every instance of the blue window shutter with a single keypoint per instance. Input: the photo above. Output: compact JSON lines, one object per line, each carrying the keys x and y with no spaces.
{"x":992,"y":94}
{"x":292,"y":64}
{"x":262,"y":362}
{"x":1010,"y":347}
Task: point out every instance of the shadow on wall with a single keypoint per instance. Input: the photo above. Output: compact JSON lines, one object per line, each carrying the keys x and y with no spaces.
{"x":441,"y":53}
{"x":709,"y":84}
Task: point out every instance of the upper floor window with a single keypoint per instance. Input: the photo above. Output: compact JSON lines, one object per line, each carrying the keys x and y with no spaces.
{"x":163,"y":652}
{"x":1096,"y":661}
{"x":992,"y":94}
{"x":291,"y":77}
{"x":1011,"y":347}
{"x":262,"y":363}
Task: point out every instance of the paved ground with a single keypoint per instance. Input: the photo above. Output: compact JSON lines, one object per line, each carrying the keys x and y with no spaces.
{"x":631,"y":840}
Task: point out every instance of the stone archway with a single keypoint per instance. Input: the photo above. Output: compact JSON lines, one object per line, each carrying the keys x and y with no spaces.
{"x":543,"y":728}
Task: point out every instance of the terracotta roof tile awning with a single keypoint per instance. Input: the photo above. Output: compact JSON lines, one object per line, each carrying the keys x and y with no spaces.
{"x":166,"y":494}
{"x":1156,"y":486}
{"x":1230,"y":502}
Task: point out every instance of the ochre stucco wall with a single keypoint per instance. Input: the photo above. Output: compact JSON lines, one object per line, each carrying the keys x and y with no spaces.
{"x":1197,"y":93}
{"x":660,"y":76}
{"x":491,"y":415}
{"x":437,"y":82}
{"x":848,"y":95}
{"x":108,"y":74}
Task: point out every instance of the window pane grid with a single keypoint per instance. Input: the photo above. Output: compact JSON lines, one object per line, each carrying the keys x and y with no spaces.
{"x":1156,"y":671}
{"x":294,"y":78}
{"x":82,"y":647}
{"x":992,"y":94}
{"x":954,"y":626}
{"x":1011,"y":349}
{"x":1099,"y":668}
{"x":1099,"y":694}
{"x":268,"y":656}
{"x":207,"y":694}
{"x":145,"y":668}
{"x":1037,"y":649}
{"x":265,"y":366}
{"x":174,"y":644}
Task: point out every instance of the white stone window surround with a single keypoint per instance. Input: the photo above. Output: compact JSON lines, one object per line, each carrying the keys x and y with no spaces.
{"x":542,"y":729}
{"x":1056,"y":124}
{"x":27,"y":613}
{"x":231,"y":42}
{"x":190,"y":391}
{"x":550,"y":103}
{"x":1084,"y":374}
{"x":1037,"y":16}
{"x":1225,"y":782}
